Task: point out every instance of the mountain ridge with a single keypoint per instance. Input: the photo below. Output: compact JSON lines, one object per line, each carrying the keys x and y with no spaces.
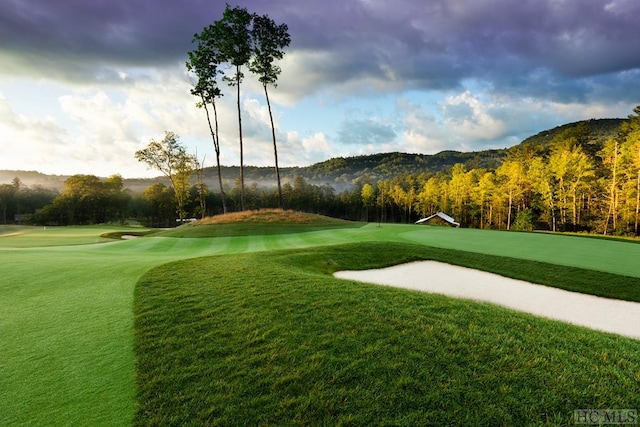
{"x":342,"y":172}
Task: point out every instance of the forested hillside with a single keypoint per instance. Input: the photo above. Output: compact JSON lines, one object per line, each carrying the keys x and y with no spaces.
{"x":599,"y":129}
{"x":582,"y":176}
{"x":341,"y":172}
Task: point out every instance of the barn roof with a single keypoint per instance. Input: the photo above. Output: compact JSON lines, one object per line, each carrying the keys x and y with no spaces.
{"x":440,"y":215}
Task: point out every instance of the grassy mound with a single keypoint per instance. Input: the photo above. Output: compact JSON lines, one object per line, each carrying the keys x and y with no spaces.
{"x":269,"y":216}
{"x":259,"y":222}
{"x":286,"y":343}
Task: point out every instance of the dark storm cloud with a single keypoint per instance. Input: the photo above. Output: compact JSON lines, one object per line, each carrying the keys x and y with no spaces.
{"x":73,"y":38}
{"x":561,"y":50}
{"x":557,"y":49}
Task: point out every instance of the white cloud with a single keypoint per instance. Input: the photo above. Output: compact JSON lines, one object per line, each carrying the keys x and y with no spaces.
{"x":421,"y":131}
{"x":475,"y":121}
{"x":294,"y":150}
{"x":28,"y":142}
{"x":97,"y":130}
{"x":316,"y":143}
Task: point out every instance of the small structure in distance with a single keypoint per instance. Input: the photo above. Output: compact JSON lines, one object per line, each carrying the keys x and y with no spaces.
{"x":440,"y":217}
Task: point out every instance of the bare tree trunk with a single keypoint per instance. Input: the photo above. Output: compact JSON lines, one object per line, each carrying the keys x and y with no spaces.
{"x":275,"y":149}
{"x":575,"y":208}
{"x":613,"y":202}
{"x":216,"y":147}
{"x":509,"y":212}
{"x":202,"y":200}
{"x":579,"y":217}
{"x":241,"y":148}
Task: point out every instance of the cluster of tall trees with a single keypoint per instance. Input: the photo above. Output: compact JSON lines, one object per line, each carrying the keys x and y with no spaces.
{"x":571,"y":184}
{"x":87,"y":199}
{"x":239,"y":39}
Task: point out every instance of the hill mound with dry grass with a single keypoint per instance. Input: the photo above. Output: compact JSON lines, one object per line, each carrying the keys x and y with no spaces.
{"x":259,"y":222}
{"x":266,"y":216}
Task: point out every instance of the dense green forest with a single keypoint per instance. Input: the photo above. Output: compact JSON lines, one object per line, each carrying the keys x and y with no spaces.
{"x":582,"y":176}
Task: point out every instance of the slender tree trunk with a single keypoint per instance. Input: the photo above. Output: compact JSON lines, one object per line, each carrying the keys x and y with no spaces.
{"x":580,"y":208}
{"x":510,"y":206}
{"x":216,"y":147}
{"x":575,"y":208}
{"x":491,"y":215}
{"x":241,"y":147}
{"x":613,"y":203}
{"x":635,"y":228}
{"x":275,"y":149}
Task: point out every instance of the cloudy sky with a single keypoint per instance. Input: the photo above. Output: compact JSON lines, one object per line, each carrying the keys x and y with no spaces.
{"x":86,"y":83}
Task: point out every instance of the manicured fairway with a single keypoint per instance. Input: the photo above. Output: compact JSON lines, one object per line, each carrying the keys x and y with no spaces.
{"x":612,"y":256}
{"x":26,"y":237}
{"x":66,"y":321}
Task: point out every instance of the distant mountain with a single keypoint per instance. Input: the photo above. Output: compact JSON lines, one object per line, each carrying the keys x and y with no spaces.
{"x":342,"y":172}
{"x":590,"y":133}
{"x":33,"y":178}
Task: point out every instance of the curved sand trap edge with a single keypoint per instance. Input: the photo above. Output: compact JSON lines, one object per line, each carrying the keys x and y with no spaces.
{"x":609,"y":315}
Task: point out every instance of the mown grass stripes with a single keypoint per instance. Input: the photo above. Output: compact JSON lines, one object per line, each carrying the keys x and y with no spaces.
{"x":66,"y":325}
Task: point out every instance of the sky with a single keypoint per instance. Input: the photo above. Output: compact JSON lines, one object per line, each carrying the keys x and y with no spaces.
{"x":84,"y":84}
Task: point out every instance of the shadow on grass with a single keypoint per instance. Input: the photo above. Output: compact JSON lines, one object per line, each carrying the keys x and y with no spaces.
{"x":253,"y":229}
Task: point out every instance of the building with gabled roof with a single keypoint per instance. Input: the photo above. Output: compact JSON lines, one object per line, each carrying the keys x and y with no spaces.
{"x":441,"y":217}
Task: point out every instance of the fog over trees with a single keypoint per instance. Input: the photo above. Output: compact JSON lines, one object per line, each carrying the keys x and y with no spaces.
{"x":577,"y":178}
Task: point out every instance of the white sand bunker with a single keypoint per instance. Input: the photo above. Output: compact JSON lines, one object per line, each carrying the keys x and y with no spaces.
{"x":609,"y":315}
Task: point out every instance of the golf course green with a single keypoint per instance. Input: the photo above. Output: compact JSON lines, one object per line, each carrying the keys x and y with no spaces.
{"x":86,"y":323}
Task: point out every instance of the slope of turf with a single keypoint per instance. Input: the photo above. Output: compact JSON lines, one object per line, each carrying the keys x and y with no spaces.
{"x":66,"y":325}
{"x":286,"y":343}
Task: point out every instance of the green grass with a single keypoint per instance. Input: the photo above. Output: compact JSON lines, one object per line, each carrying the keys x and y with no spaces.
{"x":26,"y":236}
{"x":594,"y":254}
{"x":67,"y":295}
{"x":286,"y":343}
{"x":66,"y":333}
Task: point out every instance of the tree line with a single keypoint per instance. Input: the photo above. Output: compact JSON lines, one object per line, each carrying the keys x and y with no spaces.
{"x":19,"y":201}
{"x":576,"y":182}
